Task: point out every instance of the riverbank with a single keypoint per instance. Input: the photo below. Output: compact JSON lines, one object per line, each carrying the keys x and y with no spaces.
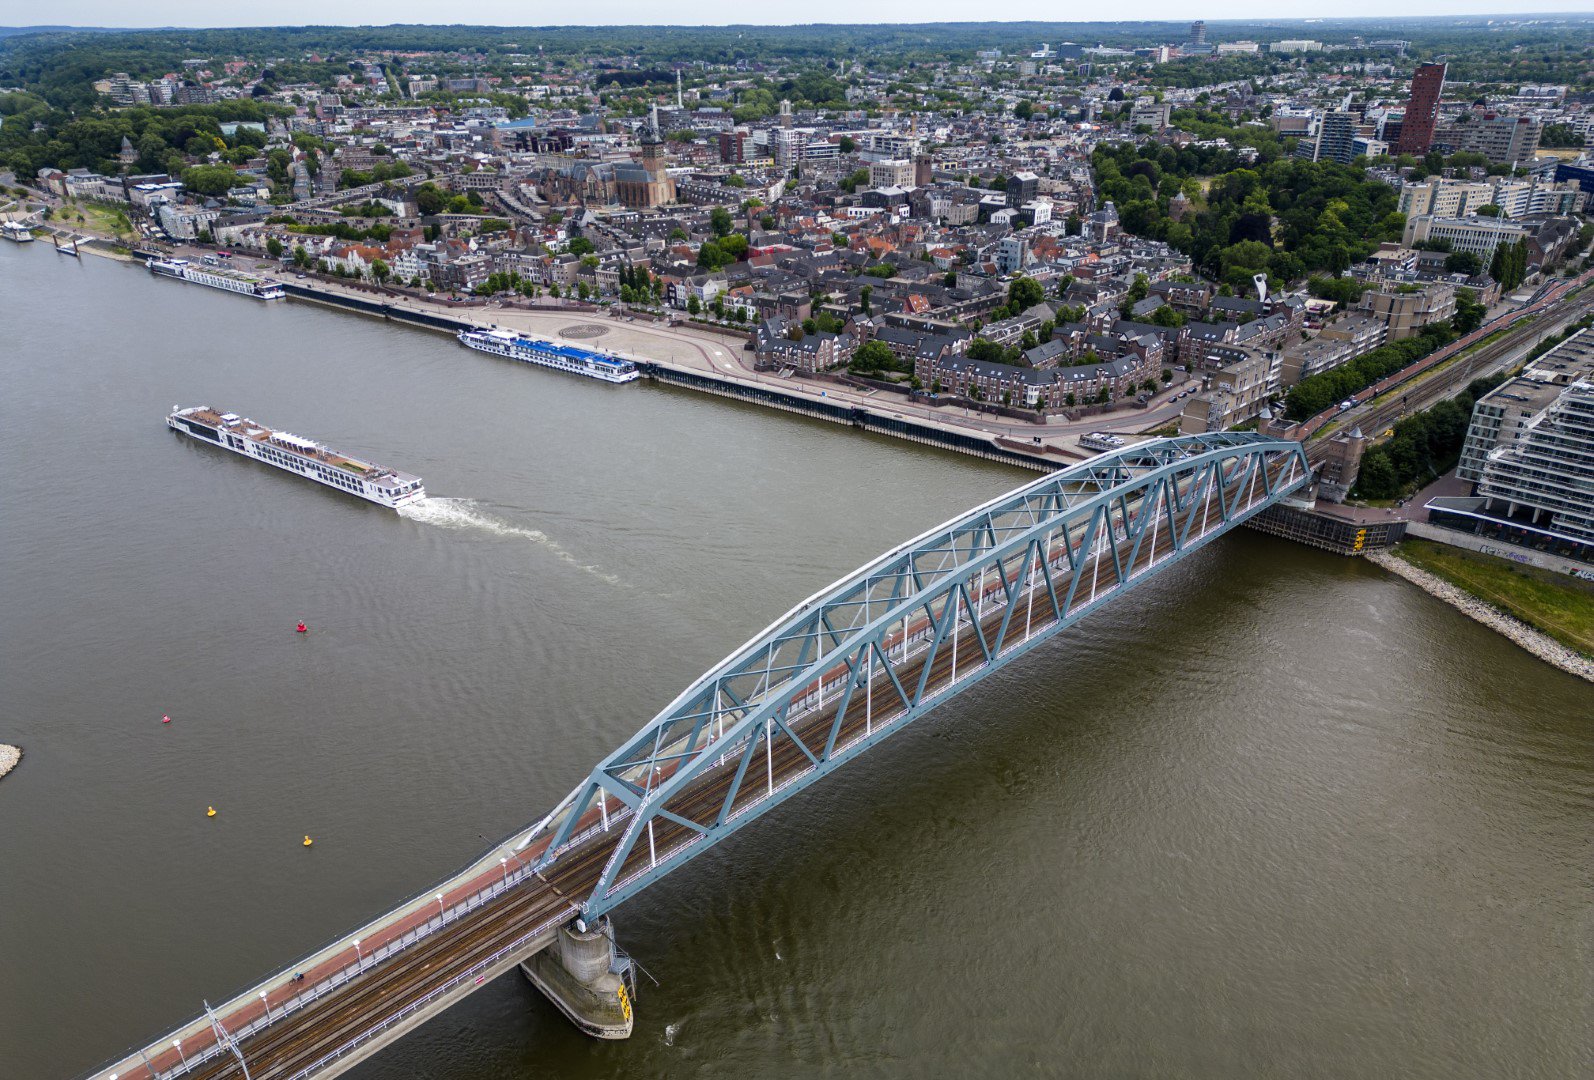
{"x":1475,"y":607}
{"x":9,"y":756}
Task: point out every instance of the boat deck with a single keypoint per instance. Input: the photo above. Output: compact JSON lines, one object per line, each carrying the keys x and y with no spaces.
{"x":255,"y":431}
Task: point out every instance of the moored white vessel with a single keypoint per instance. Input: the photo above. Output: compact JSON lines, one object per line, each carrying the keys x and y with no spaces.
{"x":216,"y":277}
{"x":372,"y":482}
{"x":16,"y":232}
{"x":576,"y":361}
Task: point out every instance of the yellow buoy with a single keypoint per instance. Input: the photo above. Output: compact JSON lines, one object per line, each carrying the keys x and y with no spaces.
{"x":307,"y":841}
{"x":210,"y":811}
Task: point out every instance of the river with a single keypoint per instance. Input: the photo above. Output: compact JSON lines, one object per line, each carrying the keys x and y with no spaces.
{"x":1275,"y":813}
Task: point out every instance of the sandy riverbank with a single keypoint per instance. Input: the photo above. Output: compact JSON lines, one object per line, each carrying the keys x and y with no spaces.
{"x":9,"y":756}
{"x":1541,"y":645}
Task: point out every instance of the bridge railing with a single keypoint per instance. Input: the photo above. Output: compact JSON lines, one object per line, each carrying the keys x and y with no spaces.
{"x":198,"y":1036}
{"x":476,"y":973}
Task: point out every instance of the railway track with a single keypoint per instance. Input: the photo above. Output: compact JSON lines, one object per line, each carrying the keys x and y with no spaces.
{"x":1488,"y":359}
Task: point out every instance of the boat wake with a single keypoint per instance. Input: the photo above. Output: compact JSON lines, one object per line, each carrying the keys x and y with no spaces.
{"x":466,"y":515}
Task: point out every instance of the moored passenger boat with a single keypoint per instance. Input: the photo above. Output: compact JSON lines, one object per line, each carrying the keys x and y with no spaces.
{"x":576,"y":361}
{"x":217,"y":278}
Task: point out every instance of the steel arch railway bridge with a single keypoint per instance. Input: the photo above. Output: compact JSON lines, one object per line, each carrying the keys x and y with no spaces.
{"x":836,"y":675}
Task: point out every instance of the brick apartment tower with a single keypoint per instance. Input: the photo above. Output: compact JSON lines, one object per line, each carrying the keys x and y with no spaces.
{"x":1422,"y":110}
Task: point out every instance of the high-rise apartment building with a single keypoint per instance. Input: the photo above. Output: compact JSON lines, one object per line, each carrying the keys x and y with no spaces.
{"x":1422,"y":110}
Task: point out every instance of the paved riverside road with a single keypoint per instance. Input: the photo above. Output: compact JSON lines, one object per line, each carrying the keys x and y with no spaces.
{"x":355,"y":994}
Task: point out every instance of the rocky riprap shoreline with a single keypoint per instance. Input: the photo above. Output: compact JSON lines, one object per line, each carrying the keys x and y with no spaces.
{"x":9,"y":756}
{"x":1539,"y":644}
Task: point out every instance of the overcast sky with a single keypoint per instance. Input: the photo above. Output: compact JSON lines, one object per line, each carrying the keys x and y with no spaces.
{"x":715,"y":12}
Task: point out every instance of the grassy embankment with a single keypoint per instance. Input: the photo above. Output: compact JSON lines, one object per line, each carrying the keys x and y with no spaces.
{"x":1560,"y":606}
{"x":95,"y":217}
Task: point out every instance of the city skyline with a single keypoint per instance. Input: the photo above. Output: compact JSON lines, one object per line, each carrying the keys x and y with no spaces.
{"x":186,"y":13}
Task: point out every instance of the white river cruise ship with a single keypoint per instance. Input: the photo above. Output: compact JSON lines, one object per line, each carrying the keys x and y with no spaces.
{"x":241,"y":435}
{"x":593,"y":365}
{"x":216,"y":277}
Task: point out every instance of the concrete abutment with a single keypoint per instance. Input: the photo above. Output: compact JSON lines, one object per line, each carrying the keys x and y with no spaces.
{"x":587,"y":978}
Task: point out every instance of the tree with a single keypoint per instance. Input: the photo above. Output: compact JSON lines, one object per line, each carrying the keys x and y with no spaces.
{"x":1024,"y":110}
{"x":720,"y":221}
{"x":429,"y":200}
{"x":1463,"y":262}
{"x":301,"y":257}
{"x":863,"y":295}
{"x":1024,"y":293}
{"x":846,"y":145}
{"x":212,"y":180}
{"x":274,"y":247}
{"x":380,"y":271}
{"x":1489,"y":210}
{"x":693,"y":306}
{"x":874,"y":356}
{"x":1469,"y":313}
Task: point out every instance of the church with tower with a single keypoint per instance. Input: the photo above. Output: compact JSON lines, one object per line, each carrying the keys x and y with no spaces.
{"x":646,"y":184}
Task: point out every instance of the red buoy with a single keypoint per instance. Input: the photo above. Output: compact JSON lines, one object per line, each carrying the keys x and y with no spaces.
{"x":303,"y":629}
{"x":165,"y":719}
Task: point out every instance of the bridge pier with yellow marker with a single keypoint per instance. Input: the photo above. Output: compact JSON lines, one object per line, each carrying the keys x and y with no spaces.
{"x":585,"y":976}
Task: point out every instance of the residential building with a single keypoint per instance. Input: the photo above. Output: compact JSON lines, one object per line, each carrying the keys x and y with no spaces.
{"x":1505,"y":140}
{"x":1406,"y":309}
{"x":1238,"y":390}
{"x":1501,"y":416}
{"x":1530,"y":448}
{"x":1335,"y":141}
{"x":1150,"y":112}
{"x":892,"y":173}
{"x":1422,"y":110}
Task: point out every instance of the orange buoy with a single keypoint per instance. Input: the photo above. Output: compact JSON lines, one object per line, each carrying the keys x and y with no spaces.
{"x":307,"y":841}
{"x":165,"y":719}
{"x":303,"y":629}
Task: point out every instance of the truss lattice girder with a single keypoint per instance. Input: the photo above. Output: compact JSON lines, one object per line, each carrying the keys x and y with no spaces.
{"x":1068,"y":542}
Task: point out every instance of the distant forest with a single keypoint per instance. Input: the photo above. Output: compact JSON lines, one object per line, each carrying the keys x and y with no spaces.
{"x":59,"y":65}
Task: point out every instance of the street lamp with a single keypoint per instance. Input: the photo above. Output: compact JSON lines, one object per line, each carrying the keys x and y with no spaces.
{"x":178,"y":1043}
{"x":503,"y":862}
{"x":264,"y":1001}
{"x":442,"y":915}
{"x":358,"y":955}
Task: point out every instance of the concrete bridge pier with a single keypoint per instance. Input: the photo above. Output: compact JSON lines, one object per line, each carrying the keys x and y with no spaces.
{"x":587,"y":977}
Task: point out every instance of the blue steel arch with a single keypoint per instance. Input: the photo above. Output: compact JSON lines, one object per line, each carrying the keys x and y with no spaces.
{"x":859,"y":660}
